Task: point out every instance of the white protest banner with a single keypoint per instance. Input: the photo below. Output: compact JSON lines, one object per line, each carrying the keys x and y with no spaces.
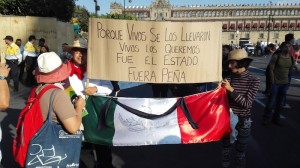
{"x":154,"y":52}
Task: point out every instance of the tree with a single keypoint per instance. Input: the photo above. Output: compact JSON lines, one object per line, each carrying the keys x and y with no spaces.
{"x":61,"y":9}
{"x":82,"y":15}
{"x":119,"y":16}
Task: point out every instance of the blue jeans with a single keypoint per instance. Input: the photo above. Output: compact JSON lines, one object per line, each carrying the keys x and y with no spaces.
{"x":276,"y":100}
{"x":284,"y":99}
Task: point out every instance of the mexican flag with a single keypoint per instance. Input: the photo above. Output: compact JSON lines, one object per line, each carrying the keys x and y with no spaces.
{"x":198,"y":118}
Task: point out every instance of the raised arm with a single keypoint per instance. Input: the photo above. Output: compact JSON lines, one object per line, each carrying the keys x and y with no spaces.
{"x":4,"y":90}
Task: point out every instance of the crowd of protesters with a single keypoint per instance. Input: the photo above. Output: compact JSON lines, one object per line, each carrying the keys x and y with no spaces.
{"x":70,"y":67}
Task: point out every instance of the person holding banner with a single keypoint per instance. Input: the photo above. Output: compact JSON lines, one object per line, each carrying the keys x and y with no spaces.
{"x":78,"y":74}
{"x":242,"y":88}
{"x":83,"y":87}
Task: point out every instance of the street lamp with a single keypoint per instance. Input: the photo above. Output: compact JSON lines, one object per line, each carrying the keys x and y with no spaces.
{"x":236,"y":37}
{"x":124,"y":5}
{"x":270,"y":14}
{"x":97,"y":8}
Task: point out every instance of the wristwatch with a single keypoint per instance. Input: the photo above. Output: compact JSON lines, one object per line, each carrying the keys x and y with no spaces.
{"x":2,"y":77}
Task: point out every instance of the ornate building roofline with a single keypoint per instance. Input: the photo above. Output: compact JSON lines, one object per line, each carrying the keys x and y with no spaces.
{"x":166,"y":4}
{"x":115,"y":5}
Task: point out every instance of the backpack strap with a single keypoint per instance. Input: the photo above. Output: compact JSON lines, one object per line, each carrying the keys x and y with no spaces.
{"x":50,"y":110}
{"x":32,"y":92}
{"x":45,"y":89}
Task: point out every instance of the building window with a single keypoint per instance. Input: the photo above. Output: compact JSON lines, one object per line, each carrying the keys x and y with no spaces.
{"x":261,"y":13}
{"x":166,"y":14}
{"x":231,"y":36}
{"x":247,"y":35}
{"x":261,"y":35}
{"x":225,"y":13}
{"x":276,"y":35}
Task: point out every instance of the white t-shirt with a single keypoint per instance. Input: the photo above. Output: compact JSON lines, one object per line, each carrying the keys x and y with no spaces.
{"x":104,"y":87}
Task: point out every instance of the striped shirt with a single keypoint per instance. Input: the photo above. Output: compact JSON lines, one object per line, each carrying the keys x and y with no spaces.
{"x":245,"y":89}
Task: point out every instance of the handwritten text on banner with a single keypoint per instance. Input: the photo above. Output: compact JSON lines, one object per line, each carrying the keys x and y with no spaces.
{"x":154,"y":52}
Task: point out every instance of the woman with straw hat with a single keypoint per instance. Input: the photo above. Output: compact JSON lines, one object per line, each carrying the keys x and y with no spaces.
{"x":78,"y":73}
{"x":78,"y":81}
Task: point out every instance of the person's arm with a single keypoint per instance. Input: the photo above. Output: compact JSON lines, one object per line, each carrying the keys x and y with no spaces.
{"x":25,"y":52}
{"x":66,"y":114}
{"x":19,"y":55}
{"x":246,"y":100}
{"x":98,"y":87}
{"x":272,"y":67}
{"x":4,"y":90}
{"x":72,"y":124}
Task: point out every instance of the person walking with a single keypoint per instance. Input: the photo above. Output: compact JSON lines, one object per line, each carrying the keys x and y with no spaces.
{"x":242,"y":88}
{"x":30,"y":56}
{"x":280,"y":66}
{"x":289,"y":38}
{"x":13,"y":58}
{"x":271,"y":48}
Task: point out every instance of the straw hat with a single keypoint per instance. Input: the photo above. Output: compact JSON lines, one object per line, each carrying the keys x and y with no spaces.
{"x":79,"y":44}
{"x":238,"y":54}
{"x":51,"y":69}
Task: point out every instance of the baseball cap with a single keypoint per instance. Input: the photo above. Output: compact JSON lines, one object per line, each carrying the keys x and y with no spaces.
{"x":10,"y":38}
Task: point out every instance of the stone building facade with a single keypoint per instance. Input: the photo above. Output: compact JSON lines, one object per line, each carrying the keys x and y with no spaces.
{"x":258,"y":22}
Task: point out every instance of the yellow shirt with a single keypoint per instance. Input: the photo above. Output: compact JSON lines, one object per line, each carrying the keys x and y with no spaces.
{"x":30,"y":50}
{"x":13,"y":52}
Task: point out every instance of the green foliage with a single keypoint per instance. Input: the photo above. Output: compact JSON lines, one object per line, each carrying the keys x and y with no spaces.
{"x":61,"y":9}
{"x":82,"y":14}
{"x":118,"y":16}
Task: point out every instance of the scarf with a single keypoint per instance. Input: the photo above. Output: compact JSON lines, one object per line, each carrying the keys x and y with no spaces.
{"x":78,"y":71}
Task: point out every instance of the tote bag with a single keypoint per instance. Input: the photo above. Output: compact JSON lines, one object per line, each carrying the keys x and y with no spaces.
{"x":53,"y":147}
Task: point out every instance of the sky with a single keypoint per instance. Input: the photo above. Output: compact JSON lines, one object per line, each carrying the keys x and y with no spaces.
{"x":104,"y":4}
